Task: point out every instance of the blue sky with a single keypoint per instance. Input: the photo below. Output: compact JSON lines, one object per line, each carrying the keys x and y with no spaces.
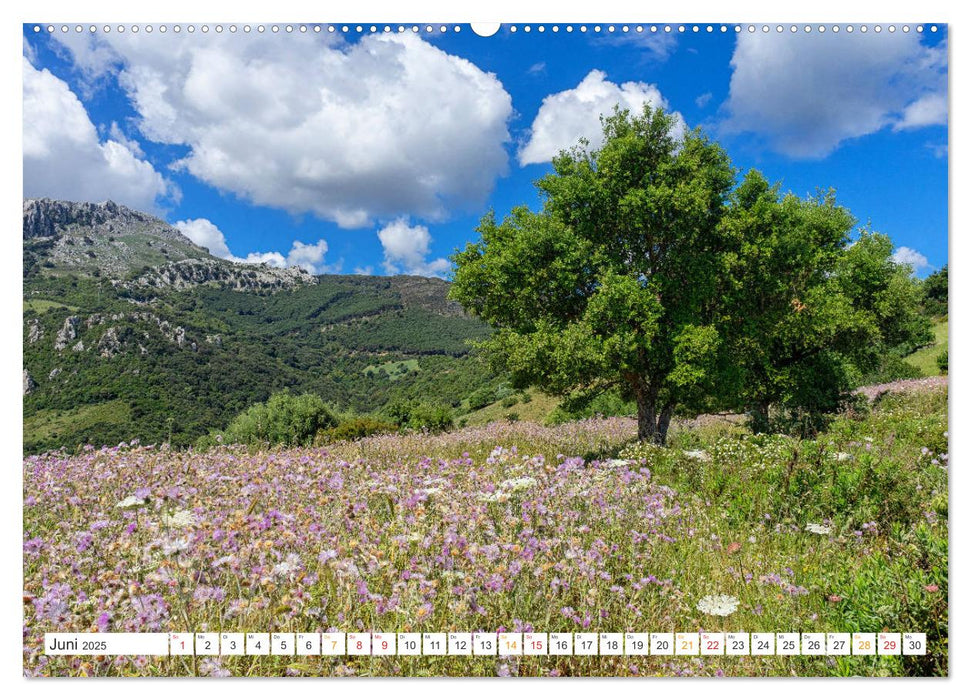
{"x":379,"y":153}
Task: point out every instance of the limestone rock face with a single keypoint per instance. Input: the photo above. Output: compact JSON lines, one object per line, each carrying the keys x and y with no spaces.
{"x":29,"y":383}
{"x":34,"y":331}
{"x":68,"y":332}
{"x":240,"y":277}
{"x":110,"y":344}
{"x":134,"y":250}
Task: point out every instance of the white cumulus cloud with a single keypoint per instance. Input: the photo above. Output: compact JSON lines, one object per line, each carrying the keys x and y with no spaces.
{"x":805,"y":94}
{"x":908,"y":256}
{"x":388,"y":126}
{"x":204,"y":233}
{"x":406,"y":250}
{"x":310,"y":257}
{"x":566,"y":117}
{"x":64,"y":158}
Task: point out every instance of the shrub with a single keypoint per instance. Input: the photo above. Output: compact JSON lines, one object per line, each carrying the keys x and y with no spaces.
{"x":480,"y":398}
{"x":429,"y":417}
{"x":284,"y":419}
{"x":942,"y":362}
{"x":419,"y":416}
{"x":607,"y":404}
{"x":891,"y":369}
{"x":354,"y":429}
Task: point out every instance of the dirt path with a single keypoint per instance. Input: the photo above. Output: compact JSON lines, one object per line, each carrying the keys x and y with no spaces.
{"x":875,"y":390}
{"x":871,"y":392}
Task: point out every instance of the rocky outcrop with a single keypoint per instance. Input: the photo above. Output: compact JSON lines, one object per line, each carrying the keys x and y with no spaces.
{"x":136,"y":250}
{"x":68,"y":333}
{"x":29,"y":383}
{"x":104,"y":240}
{"x":116,"y":338}
{"x":34,"y":331}
{"x":110,"y":344}
{"x":429,"y":293}
{"x":51,"y":218}
{"x":241,"y":277}
{"x":54,"y":373}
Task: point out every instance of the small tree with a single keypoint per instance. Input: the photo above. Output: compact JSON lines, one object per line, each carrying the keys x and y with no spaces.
{"x":284,"y":419}
{"x":614,"y":283}
{"x":808,"y":313}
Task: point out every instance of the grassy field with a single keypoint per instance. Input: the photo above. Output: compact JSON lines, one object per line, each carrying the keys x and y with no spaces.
{"x":50,"y":424}
{"x":395,"y":369}
{"x":535,"y":409}
{"x":925,"y":358}
{"x":39,"y":306}
{"x":510,"y":526}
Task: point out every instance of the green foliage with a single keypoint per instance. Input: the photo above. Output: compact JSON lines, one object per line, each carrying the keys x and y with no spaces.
{"x":608,"y":403}
{"x":942,"y":362}
{"x":353,"y":429}
{"x":925,"y":358}
{"x":302,"y":339}
{"x":481,"y":398}
{"x":807,"y":314}
{"x":860,"y":470}
{"x":415,"y":415}
{"x":935,"y":293}
{"x":614,"y":276}
{"x":891,"y":369}
{"x":284,"y":419}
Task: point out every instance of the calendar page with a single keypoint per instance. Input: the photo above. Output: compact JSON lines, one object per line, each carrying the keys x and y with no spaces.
{"x":525,"y":349}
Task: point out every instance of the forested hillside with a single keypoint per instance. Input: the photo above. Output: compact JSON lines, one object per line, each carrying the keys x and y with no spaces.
{"x":131,"y":331}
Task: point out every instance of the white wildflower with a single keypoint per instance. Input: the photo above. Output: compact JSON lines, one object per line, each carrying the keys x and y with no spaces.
{"x":818,"y":529}
{"x":494,"y":497}
{"x":700,"y":455}
{"x":843,"y":456}
{"x":290,"y":565}
{"x":721,"y":605}
{"x":428,"y":492}
{"x":521,"y":483}
{"x":180,"y":518}
{"x":130,"y":502}
{"x":612,"y":463}
{"x":174,"y":545}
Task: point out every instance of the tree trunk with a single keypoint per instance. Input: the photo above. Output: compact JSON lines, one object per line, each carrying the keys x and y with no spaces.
{"x":646,"y":411}
{"x":760,"y":417}
{"x":663,"y":421}
{"x":651,"y":426}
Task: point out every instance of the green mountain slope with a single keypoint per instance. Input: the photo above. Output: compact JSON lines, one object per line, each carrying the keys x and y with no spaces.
{"x":160,"y":341}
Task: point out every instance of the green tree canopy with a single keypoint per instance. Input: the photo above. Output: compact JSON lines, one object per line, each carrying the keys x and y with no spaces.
{"x":807,"y":310}
{"x":614,"y":281}
{"x":648,"y":271}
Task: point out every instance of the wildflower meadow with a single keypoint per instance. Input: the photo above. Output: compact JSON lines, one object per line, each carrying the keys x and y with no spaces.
{"x":509,"y":527}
